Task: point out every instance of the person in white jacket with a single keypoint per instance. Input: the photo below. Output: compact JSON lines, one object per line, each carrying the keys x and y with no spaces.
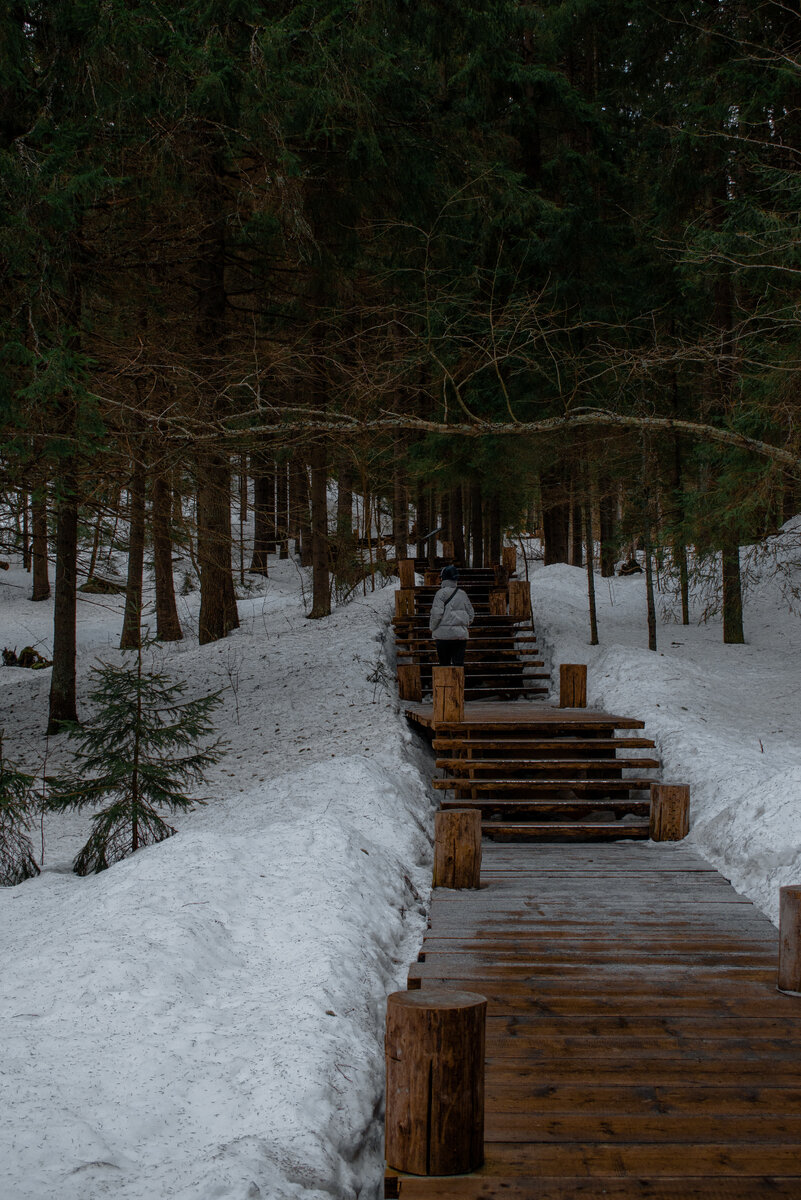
{"x":451,"y":617}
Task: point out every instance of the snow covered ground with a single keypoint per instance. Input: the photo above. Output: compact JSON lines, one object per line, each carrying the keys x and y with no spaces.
{"x":726,"y":719}
{"x":205,"y":1020}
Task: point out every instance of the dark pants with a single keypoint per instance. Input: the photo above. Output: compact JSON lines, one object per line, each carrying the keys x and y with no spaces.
{"x":450,"y":652}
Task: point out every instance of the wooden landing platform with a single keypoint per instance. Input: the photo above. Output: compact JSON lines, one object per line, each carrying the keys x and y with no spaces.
{"x":636,"y":1043}
{"x":525,"y":715}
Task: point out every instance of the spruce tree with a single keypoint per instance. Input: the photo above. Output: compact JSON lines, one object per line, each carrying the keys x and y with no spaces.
{"x":17,"y":798}
{"x":138,"y":751}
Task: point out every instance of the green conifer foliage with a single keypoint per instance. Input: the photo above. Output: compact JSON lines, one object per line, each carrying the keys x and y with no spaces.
{"x":138,"y":751}
{"x":17,"y":798}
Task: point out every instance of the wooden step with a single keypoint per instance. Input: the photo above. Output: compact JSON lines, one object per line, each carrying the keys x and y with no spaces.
{"x":551,"y":804}
{"x":541,"y":785}
{"x":536,"y":743}
{"x":484,"y":693}
{"x":574,"y":831}
{"x":547,"y":764}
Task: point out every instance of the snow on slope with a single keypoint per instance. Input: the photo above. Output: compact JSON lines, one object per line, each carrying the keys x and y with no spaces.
{"x":726,"y":719}
{"x":204,"y":1020}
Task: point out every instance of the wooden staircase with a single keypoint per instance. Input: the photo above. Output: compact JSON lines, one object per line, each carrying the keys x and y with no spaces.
{"x":536,"y":772}
{"x":501,"y":659}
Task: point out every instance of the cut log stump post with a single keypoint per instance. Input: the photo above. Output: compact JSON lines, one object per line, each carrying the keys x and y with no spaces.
{"x":435,"y":1081}
{"x":447,"y":550}
{"x":406,"y":572}
{"x":431,"y":579}
{"x":573,"y":685}
{"x":448,"y":688}
{"x":509,"y":559}
{"x":497,"y":602}
{"x":410,"y":685}
{"x":457,"y":848}
{"x":519,"y":600}
{"x":404,"y":602}
{"x":670,"y":812}
{"x":789,"y":979}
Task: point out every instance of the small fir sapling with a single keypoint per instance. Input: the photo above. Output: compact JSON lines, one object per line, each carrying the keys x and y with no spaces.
{"x":138,"y":751}
{"x":17,"y":800}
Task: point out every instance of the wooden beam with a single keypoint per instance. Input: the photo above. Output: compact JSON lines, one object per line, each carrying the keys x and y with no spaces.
{"x":789,"y":980}
{"x":573,"y":685}
{"x":448,"y":689}
{"x":457,"y":848}
{"x":435,"y":1081}
{"x":670,"y":812}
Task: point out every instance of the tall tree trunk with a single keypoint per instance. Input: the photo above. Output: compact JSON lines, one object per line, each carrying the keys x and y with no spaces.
{"x":555,"y":527}
{"x":321,"y":582}
{"x":577,"y":535}
{"x":301,"y":520}
{"x":131,"y":638}
{"x":345,"y":502}
{"x":263,"y":514}
{"x":457,"y":525}
{"x":733,"y":634}
{"x":286,"y":513}
{"x":495,"y":537}
{"x":476,"y":524}
{"x":590,"y":569}
{"x":400,"y":514}
{"x":26,"y":529}
{"x":422,"y":519}
{"x":63,"y":705}
{"x":41,"y":577}
{"x":607,"y":515}
{"x":168,"y":627}
{"x":218,"y":611}
{"x":679,"y":544}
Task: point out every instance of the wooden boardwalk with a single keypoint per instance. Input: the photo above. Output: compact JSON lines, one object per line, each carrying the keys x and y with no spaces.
{"x":636,"y":1043}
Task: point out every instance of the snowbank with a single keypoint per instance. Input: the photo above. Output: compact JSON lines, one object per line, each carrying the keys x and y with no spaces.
{"x":205,"y":1019}
{"x":726,"y":719}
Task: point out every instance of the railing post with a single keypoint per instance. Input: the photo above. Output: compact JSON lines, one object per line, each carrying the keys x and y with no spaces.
{"x":497,"y":602}
{"x":404,"y":602}
{"x":406,"y":572}
{"x":410,"y":685}
{"x":457,"y":848}
{"x":670,"y":812}
{"x":435,"y":1081}
{"x":789,"y":979}
{"x":447,"y":685}
{"x":573,"y":685}
{"x":519,"y":599}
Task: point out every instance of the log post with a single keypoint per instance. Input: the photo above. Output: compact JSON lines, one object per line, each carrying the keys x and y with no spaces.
{"x":573,"y":685}
{"x":448,"y":688}
{"x":509,"y":559}
{"x":447,"y":550}
{"x":497,"y":602}
{"x":406,"y":572}
{"x":435,"y":1081}
{"x":431,"y":579}
{"x":670,"y":812}
{"x":404,"y":602}
{"x":789,"y":979}
{"x":410,"y":686}
{"x":457,"y":848}
{"x":519,"y":599}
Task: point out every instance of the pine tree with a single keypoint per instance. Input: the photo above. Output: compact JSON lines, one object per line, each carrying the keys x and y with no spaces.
{"x":138,"y":751}
{"x":17,"y":798}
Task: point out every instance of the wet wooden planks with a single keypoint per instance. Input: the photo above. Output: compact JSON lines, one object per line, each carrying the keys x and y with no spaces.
{"x":636,"y":1043}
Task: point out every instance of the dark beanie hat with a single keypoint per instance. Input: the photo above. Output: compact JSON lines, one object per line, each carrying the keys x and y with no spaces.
{"x":449,"y":573}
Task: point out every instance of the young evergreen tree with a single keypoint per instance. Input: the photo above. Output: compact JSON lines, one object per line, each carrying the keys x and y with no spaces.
{"x":138,"y":751}
{"x":17,"y":798}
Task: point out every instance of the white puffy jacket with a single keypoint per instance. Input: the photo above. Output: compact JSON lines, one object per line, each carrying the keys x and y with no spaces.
{"x":451,"y":613}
